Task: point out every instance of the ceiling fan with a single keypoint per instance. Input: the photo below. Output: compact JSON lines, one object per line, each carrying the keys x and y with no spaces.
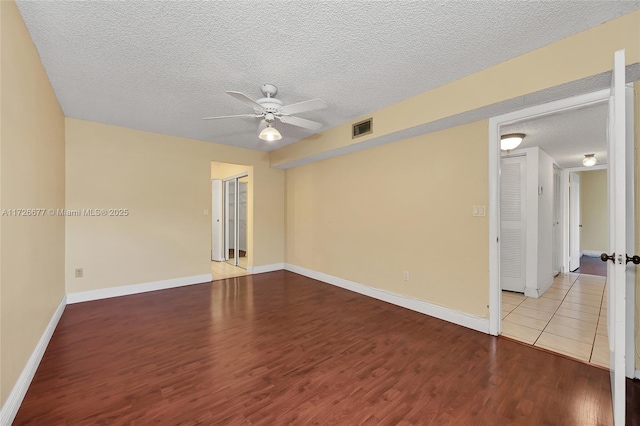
{"x":269,"y":109}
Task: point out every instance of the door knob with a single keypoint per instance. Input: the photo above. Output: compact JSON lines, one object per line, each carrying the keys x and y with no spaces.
{"x":635,"y":259}
{"x":604,"y":257}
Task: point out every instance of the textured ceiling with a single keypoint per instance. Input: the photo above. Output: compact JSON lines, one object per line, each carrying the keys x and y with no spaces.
{"x":162,"y":66}
{"x":567,"y":136}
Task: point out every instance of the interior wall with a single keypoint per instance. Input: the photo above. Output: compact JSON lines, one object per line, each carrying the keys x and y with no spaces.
{"x":31,"y":177}
{"x":226,"y":170}
{"x":545,"y":221}
{"x":533,"y":164}
{"x":165,"y":183}
{"x":406,"y":206}
{"x":594,"y":234}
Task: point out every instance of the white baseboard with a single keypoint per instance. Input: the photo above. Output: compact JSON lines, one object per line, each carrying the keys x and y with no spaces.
{"x":546,"y":286}
{"x":447,"y":314}
{"x":265,"y":268}
{"x":537,"y":292}
{"x":637,"y":374}
{"x":12,"y":404}
{"x":105,"y":293}
{"x":591,"y":253}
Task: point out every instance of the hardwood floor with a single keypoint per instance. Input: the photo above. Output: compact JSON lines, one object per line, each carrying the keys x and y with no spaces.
{"x":279,"y":348}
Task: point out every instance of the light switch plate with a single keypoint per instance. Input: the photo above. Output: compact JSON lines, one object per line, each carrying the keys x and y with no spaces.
{"x":479,"y":211}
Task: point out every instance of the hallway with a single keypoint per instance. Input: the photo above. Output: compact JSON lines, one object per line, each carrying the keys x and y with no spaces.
{"x":570,"y":318}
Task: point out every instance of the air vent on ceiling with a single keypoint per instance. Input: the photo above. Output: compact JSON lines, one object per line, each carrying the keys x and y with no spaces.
{"x":362,"y":128}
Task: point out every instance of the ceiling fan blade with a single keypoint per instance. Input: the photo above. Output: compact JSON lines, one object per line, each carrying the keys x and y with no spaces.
{"x":310,"y":105}
{"x":231,"y":116}
{"x":300,"y":122}
{"x":246,"y":100}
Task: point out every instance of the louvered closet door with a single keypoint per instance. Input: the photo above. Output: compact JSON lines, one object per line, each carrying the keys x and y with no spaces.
{"x":512,"y":223}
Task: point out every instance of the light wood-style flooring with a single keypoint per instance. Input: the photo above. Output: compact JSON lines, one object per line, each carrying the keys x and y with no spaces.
{"x":569,"y":318}
{"x":222,"y":270}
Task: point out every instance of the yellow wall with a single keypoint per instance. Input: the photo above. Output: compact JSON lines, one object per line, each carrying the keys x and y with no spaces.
{"x":330,"y":201}
{"x":32,"y":176}
{"x":407,"y":206}
{"x":225,"y":170}
{"x":594,"y":235}
{"x":165,"y":182}
{"x":582,"y":55}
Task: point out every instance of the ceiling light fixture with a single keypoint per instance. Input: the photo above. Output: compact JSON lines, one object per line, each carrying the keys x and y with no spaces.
{"x":589,"y":160}
{"x":270,"y":134}
{"x":511,"y":141}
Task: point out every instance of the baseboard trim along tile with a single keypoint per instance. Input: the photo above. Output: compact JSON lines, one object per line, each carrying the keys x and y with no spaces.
{"x":125,"y":290}
{"x":441,"y":312}
{"x":14,"y":400}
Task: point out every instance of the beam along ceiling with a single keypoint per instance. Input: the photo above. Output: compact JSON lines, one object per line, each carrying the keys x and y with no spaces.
{"x":162,"y":66}
{"x":567,"y":136}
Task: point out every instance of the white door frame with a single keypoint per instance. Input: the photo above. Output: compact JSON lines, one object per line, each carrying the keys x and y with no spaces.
{"x":217,"y":232}
{"x":495,"y":295}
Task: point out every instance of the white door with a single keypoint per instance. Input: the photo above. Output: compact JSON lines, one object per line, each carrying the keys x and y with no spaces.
{"x":574,"y":221}
{"x":230,"y":202}
{"x":619,"y":277}
{"x":217,"y":246}
{"x":513,"y":223}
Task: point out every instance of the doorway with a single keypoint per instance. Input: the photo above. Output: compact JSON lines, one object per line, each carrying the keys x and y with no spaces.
{"x":573,"y":300}
{"x":542,"y":305}
{"x":232,"y":219}
{"x":593,"y":237}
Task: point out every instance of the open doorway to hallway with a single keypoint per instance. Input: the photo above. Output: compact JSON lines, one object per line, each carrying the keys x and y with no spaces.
{"x":591,"y":214}
{"x":553,"y":227}
{"x":231,"y":219}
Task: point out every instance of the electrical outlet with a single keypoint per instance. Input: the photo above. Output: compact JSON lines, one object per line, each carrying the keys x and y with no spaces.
{"x":79,"y":272}
{"x":406,"y":275}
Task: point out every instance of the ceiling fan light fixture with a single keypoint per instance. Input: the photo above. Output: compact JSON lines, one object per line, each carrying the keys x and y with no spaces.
{"x":270,"y":134}
{"x":589,"y":160}
{"x":511,"y":141}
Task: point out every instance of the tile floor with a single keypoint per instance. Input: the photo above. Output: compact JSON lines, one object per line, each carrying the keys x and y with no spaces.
{"x":222,"y":270}
{"x":570,"y":318}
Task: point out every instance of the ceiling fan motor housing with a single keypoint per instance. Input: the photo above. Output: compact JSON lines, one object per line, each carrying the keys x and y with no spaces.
{"x":269,"y":104}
